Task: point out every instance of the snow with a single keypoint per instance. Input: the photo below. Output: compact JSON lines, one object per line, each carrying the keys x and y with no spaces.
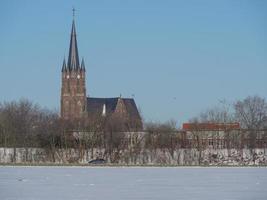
{"x":115,"y":183}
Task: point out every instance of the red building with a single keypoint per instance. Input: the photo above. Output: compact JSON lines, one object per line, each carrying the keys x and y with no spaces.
{"x":211,"y":126}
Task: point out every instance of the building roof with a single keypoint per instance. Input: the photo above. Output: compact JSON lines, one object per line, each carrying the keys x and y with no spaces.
{"x":210,"y":126}
{"x":95,"y":106}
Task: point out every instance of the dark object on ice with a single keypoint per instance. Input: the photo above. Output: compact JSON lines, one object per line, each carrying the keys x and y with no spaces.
{"x":97,"y":161}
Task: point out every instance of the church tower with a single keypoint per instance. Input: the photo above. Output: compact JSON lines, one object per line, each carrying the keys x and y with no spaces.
{"x":73,"y":89}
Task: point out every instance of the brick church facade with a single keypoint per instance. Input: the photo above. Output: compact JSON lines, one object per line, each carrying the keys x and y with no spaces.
{"x":76,"y":105}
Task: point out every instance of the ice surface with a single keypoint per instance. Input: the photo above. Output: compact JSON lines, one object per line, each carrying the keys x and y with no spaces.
{"x":83,"y":183}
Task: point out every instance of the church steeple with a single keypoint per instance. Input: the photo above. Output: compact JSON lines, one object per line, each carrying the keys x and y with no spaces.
{"x":73,"y":59}
{"x":73,"y":88}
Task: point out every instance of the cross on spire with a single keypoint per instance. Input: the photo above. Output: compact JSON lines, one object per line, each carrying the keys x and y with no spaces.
{"x":73,"y":12}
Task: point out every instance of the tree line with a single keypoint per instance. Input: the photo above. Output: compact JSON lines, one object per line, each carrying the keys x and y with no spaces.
{"x":25,"y":124}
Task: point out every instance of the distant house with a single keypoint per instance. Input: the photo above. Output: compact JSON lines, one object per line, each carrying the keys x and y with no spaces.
{"x":221,"y":135}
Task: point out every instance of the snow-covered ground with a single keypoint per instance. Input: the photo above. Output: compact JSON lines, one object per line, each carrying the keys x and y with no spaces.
{"x":114,"y":183}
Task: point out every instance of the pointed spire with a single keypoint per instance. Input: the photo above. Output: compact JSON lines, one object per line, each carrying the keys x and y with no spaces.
{"x":73,"y":59}
{"x":64,"y":67}
{"x":83,"y":65}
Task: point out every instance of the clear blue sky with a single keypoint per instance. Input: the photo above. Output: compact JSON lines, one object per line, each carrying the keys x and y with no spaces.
{"x":177,"y":57}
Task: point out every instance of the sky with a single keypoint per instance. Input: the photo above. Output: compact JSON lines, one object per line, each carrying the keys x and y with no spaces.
{"x":176,"y":58}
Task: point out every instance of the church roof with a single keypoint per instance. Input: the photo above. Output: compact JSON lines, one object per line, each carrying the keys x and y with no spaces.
{"x":73,"y":59}
{"x":95,"y":106}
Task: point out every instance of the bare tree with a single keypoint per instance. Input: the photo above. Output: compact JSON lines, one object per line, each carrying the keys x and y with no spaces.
{"x":198,"y":137}
{"x":18,"y":124}
{"x":218,"y":114}
{"x":161,"y":135}
{"x":114,"y":137}
{"x":252,"y":114}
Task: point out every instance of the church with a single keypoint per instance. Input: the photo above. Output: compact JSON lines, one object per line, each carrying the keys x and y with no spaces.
{"x":75,"y":104}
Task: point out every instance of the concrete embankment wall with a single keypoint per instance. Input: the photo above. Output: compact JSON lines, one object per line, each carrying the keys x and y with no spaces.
{"x":213,"y":157}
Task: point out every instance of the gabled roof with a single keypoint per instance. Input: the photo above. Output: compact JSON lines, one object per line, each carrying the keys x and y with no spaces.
{"x":131,"y":108}
{"x":95,"y":106}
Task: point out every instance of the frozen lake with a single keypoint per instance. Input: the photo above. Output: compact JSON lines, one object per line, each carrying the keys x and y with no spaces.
{"x":106,"y":183}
